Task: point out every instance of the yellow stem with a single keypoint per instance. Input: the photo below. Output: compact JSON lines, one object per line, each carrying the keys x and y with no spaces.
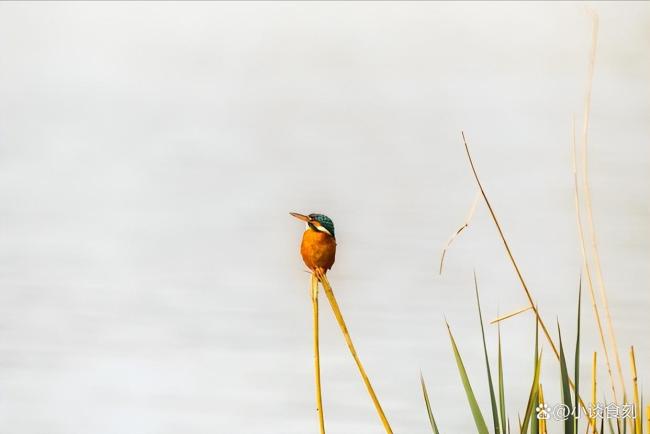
{"x":635,"y":385}
{"x":529,"y":296}
{"x":594,"y":382}
{"x":520,"y":276}
{"x":510,"y":315}
{"x":319,"y":398}
{"x":589,"y":208}
{"x":339,"y":318}
{"x":464,"y":226}
{"x":594,"y":304}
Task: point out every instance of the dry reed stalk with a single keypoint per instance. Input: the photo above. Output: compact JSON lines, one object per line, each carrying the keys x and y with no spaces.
{"x":319,"y":398}
{"x":510,"y":315}
{"x":465,"y":225}
{"x":594,"y":386}
{"x":529,"y":295}
{"x":339,"y":318}
{"x":588,"y":206}
{"x":637,"y":404}
{"x":585,"y":262}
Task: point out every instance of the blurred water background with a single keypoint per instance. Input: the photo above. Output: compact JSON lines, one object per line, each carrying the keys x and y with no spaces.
{"x":150,"y":280}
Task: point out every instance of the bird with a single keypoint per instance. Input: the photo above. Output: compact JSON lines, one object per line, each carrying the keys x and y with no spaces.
{"x":318,"y":247}
{"x":318,"y":250}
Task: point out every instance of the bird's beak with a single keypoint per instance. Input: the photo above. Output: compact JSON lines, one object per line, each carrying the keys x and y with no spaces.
{"x":304,"y":218}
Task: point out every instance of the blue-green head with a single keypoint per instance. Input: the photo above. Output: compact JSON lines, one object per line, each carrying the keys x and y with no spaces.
{"x":317,"y":222}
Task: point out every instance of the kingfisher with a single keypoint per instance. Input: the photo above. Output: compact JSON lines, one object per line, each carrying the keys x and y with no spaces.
{"x":318,"y":246}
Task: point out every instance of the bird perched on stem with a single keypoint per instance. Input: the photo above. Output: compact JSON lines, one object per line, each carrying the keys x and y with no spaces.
{"x":318,"y":247}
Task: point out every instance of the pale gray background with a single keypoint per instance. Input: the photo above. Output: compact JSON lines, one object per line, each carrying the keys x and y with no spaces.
{"x":150,"y":153}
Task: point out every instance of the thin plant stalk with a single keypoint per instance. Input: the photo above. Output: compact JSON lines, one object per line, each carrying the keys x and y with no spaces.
{"x":520,"y":276}
{"x":635,"y":384}
{"x":594,"y":386}
{"x":319,"y":398}
{"x":529,"y":296}
{"x":588,"y":206}
{"x":464,"y":226}
{"x":344,"y":329}
{"x":510,"y":315}
{"x":592,"y":293}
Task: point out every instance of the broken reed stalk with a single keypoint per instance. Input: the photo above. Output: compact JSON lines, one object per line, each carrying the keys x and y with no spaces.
{"x":592,"y":293}
{"x":344,"y":329}
{"x":638,"y":424}
{"x":319,"y":398}
{"x":587,"y":189}
{"x":464,"y":226}
{"x":510,"y":315}
{"x":529,"y":296}
{"x":509,"y":252}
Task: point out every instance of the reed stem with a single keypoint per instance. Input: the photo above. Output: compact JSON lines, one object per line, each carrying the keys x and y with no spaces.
{"x":594,"y":387}
{"x":589,"y":208}
{"x":594,"y":304}
{"x":319,"y":398}
{"x":638,"y":423}
{"x":510,"y":315}
{"x":339,"y":318}
{"x":520,"y":276}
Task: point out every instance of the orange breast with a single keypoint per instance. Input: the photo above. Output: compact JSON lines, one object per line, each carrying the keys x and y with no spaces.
{"x":318,"y":249}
